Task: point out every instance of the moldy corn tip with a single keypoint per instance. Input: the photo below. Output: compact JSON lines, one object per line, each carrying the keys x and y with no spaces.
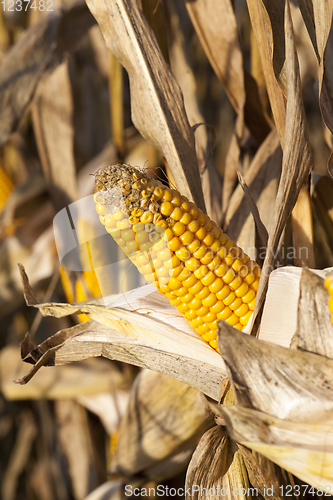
{"x":178,"y":249}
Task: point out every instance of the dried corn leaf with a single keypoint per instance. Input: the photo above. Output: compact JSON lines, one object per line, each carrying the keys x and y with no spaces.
{"x":163,"y":419}
{"x":304,"y":449}
{"x":282,"y":382}
{"x":52,"y":119}
{"x":157,"y":104}
{"x":217,"y":469}
{"x":315,"y":328}
{"x":38,"y":51}
{"x":262,"y":177}
{"x":302,"y":230}
{"x":323,"y":202}
{"x":111,"y":490}
{"x":85,"y":378}
{"x":297,"y":158}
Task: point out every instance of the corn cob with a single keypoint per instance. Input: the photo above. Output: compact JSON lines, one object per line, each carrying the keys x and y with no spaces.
{"x":178,"y":249}
{"x":329,"y":286}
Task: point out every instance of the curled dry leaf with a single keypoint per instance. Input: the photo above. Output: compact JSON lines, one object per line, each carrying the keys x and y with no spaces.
{"x":161,"y":427}
{"x":39,"y":50}
{"x":157,"y":103}
{"x":147,"y":339}
{"x":315,"y":328}
{"x":282,"y":382}
{"x":304,"y":449}
{"x":217,"y":469}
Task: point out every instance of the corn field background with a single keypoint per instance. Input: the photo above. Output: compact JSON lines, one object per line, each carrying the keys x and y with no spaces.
{"x":232,"y":103}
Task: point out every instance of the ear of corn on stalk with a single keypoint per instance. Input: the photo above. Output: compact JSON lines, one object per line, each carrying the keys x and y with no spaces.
{"x":178,"y":249}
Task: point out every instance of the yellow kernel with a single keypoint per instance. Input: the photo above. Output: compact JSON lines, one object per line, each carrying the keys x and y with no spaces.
{"x":223,"y":238}
{"x":131,"y":248}
{"x":201,"y":217}
{"x":145,"y":193}
{"x":172,"y":263}
{"x":232,"y":320}
{"x":194,"y":211}
{"x":166,"y":208}
{"x":186,"y":218}
{"x":251,"y":304}
{"x":208,"y":224}
{"x":163,"y":282}
{"x":255,"y":285}
{"x":214,"y":264}
{"x":185,"y":205}
{"x":150,"y":277}
{"x":146,"y":268}
{"x":175,"y":272}
{"x":229,"y":299}
{"x":175,"y":284}
{"x":201,"y":233}
{"x":221,"y":270}
{"x":201,"y":272}
{"x":178,"y":228}
{"x":237,"y":265}
{"x":192,"y":264}
{"x":202,"y":329}
{"x":222,"y":294}
{"x":236,"y":283}
{"x":141,"y":237}
{"x":207,"y":258}
{"x":188,"y":297}
{"x":216,"y":231}
{"x":229,"y":276}
{"x":181,"y":291}
{"x":164,"y":254}
{"x":195,"y":304}
{"x":127,"y":235}
{"x":144,"y":247}
{"x":216,"y":246}
{"x":200,"y":252}
{"x":195,"y":289}
{"x":208,"y":240}
{"x":245,"y":319}
{"x":176,"y":200}
{"x":193,"y":226}
{"x":218,"y":307}
{"x":167,"y":195}
{"x":213,"y":324}
{"x":186,"y":238}
{"x":143,"y":181}
{"x":134,"y":220}
{"x":190,"y":282}
{"x":147,"y":217}
{"x":329,"y":284}
{"x":242,"y":290}
{"x":175,"y":301}
{"x":216,"y":286}
{"x":236,"y":304}
{"x":160,"y":245}
{"x":197,"y":320}
{"x":109,"y":221}
{"x":184,"y":275}
{"x":210,"y":337}
{"x":229,"y":259}
{"x":161,"y":272}
{"x":177,"y":213}
{"x":214,"y":344}
{"x":202,"y":311}
{"x":150,"y":186}
{"x":165,"y":289}
{"x":136,"y":185}
{"x":225,"y":314}
{"x":175,"y":244}
{"x":208,"y":279}
{"x":123,"y":224}
{"x":249,"y":279}
{"x":183,"y":254}
{"x":158,"y":192}
{"x":210,"y":300}
{"x":239,"y":326}
{"x":194,"y":245}
{"x":242,"y":310}
{"x":204,"y":292}
{"x":249,"y":296}
{"x":222,"y":253}
{"x":190,"y":315}
{"x":100,"y":209}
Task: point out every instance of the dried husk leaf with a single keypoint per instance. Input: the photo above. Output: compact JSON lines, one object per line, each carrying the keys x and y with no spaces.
{"x":111,"y":490}
{"x":164,"y":418}
{"x":217,"y":469}
{"x":315,"y":328}
{"x":39,"y":50}
{"x":304,"y":449}
{"x":323,"y":202}
{"x":302,"y":229}
{"x":157,"y":104}
{"x":282,"y":382}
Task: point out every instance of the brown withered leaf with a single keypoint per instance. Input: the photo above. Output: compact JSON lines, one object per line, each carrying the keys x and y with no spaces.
{"x":302,"y":230}
{"x":278,"y":381}
{"x":156,"y":99}
{"x":262,"y":177}
{"x":161,"y":427}
{"x":39,"y":50}
{"x":217,"y":469}
{"x":314,"y":329}
{"x":323,"y":202}
{"x":297,"y":159}
{"x":52,"y":120}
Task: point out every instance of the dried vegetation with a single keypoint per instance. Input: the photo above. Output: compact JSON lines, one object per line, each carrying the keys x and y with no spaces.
{"x":232,"y":102}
